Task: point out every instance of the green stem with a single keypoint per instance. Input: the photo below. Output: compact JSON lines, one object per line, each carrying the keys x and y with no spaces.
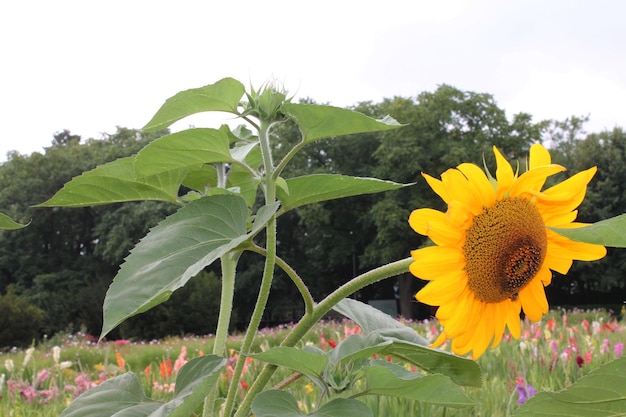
{"x":304,"y":290}
{"x":220,"y":168}
{"x":268,"y":271}
{"x":229,"y":265}
{"x":305,"y":324}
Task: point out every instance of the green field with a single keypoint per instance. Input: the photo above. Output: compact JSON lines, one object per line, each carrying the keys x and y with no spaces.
{"x":550,"y":355}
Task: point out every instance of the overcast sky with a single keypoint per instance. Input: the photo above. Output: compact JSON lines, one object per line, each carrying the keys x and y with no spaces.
{"x":90,"y":66}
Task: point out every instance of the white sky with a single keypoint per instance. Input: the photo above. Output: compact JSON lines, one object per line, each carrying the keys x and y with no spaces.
{"x":90,"y":66}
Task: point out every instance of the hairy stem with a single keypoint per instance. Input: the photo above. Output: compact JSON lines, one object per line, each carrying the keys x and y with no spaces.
{"x":268,"y":271}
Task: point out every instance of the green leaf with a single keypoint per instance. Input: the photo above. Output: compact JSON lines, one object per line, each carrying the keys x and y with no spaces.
{"x":372,"y":320}
{"x":433,"y":389}
{"x":6,"y":223}
{"x":193,"y":383}
{"x":124,"y":396}
{"x":116,"y":182}
{"x":185,"y":149}
{"x":224,"y":95}
{"x":307,"y":363}
{"x":408,"y":345}
{"x":341,"y":407}
{"x":319,"y":121}
{"x":275,"y":403}
{"x":322,"y":187}
{"x":610,"y":232}
{"x":176,"y":250}
{"x":460,"y":370}
{"x":601,"y":393}
{"x":357,"y":347}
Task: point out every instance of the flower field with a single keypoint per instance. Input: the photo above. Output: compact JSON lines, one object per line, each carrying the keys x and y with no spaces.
{"x":550,"y":355}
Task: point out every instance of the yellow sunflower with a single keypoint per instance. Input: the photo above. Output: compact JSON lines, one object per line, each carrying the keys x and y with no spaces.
{"x":494,"y":249}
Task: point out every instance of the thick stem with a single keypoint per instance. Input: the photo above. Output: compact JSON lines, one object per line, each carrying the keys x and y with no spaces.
{"x":305,"y":324}
{"x":268,"y":271}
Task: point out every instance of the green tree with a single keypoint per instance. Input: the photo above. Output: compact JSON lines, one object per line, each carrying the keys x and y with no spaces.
{"x":65,"y":259}
{"x":601,"y":282}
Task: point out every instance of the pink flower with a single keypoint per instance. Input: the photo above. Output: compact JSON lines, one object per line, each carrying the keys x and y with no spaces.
{"x":28,"y":393}
{"x":555,"y":347}
{"x":41,"y":377}
{"x":181,"y":360}
{"x":605,"y":346}
{"x":83,"y":383}
{"x":618,"y":349}
{"x":588,"y":356}
{"x":585,"y":325}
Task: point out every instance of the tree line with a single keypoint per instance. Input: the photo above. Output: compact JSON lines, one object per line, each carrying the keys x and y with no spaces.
{"x":55,"y":272}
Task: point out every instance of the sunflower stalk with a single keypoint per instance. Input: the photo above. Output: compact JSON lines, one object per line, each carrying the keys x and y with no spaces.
{"x":268,"y":271}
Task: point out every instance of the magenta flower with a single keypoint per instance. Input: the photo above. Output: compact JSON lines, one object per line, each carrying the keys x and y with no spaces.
{"x":525,"y":391}
{"x":618,"y":349}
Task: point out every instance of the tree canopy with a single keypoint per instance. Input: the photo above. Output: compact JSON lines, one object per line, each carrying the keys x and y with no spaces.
{"x":63,"y":262}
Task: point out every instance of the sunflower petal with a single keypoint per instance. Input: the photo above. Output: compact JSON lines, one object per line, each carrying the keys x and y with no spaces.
{"x":539,"y":156}
{"x":504,"y":173}
{"x":441,"y":290}
{"x":479,"y":184}
{"x":437,"y":187}
{"x":434,"y":224}
{"x":580,"y":251}
{"x":533,"y":298}
{"x":433,"y":261}
{"x":457,"y":186}
{"x":533,"y":180}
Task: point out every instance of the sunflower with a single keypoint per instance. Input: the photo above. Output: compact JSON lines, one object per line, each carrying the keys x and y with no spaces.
{"x":494,"y":249}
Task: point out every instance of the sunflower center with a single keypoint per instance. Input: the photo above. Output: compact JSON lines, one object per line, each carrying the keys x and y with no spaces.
{"x":504,"y":249}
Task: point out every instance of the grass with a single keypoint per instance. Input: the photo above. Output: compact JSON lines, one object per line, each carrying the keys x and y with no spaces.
{"x":549,"y":355}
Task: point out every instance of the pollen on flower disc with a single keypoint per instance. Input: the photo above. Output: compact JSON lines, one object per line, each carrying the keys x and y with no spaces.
{"x":504,"y":249}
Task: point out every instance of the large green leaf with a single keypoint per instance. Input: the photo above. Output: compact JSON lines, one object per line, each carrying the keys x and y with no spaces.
{"x":601,"y":393}
{"x":610,"y":232}
{"x":185,"y":149}
{"x":224,"y":95}
{"x":372,"y":320}
{"x":123,"y":396}
{"x":115,"y":182}
{"x":275,"y":403}
{"x":433,"y":389}
{"x":176,"y":250}
{"x":321,"y":187}
{"x":358,"y":347}
{"x":6,"y":223}
{"x":307,"y":363}
{"x":408,"y":345}
{"x":319,"y":121}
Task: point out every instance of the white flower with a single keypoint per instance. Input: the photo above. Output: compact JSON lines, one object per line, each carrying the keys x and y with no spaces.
{"x":65,"y":364}
{"x":56,"y":354}
{"x":28,"y":357}
{"x":9,"y":365}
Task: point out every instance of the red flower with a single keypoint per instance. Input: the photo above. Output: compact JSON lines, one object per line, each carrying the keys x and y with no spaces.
{"x":579,"y":361}
{"x":165,"y":367}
